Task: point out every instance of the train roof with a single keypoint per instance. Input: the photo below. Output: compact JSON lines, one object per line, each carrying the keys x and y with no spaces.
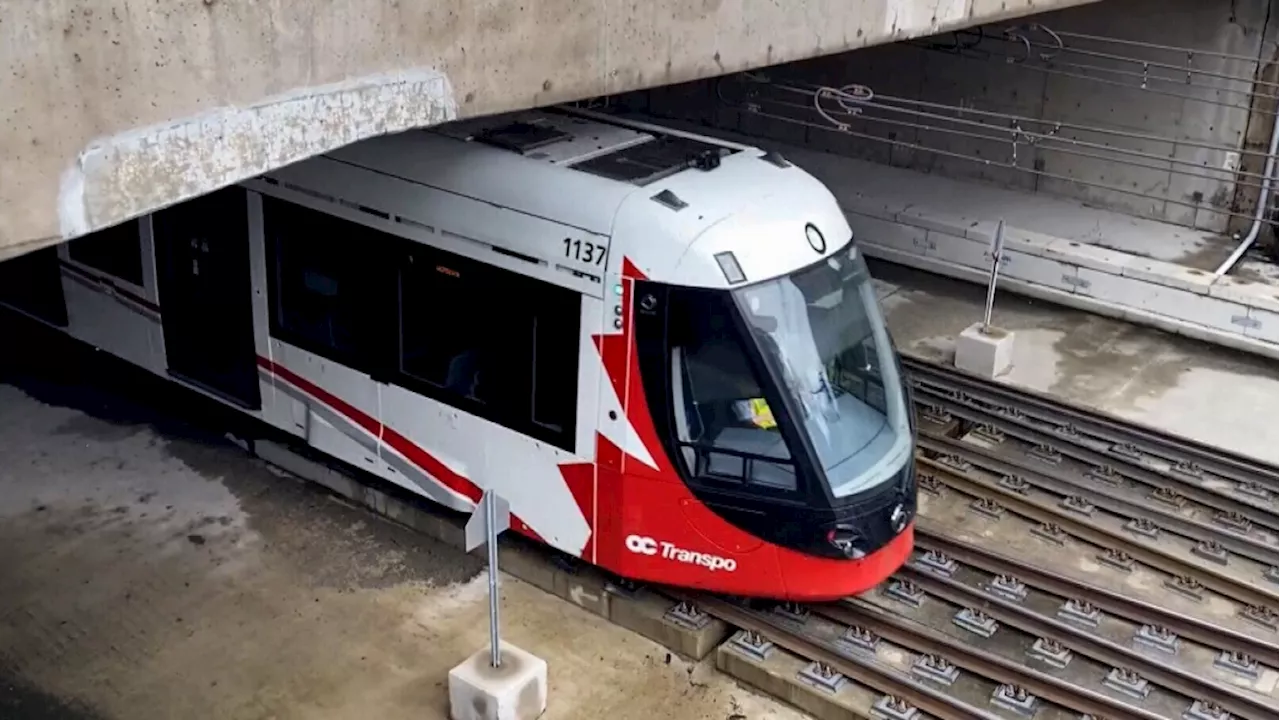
{"x":669,"y":201}
{"x":571,"y":166}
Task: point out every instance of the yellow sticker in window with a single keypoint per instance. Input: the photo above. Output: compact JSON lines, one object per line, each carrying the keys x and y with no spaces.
{"x":761,"y":415}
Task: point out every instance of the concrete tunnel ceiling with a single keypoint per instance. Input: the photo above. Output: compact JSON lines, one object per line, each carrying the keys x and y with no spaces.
{"x":128,"y":106}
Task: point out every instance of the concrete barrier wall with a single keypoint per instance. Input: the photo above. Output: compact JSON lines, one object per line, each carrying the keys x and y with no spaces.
{"x":113,"y":108}
{"x":1173,"y":118}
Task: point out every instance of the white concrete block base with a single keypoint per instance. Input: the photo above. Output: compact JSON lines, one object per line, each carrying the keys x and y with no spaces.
{"x":988,"y":353}
{"x":517,"y":690}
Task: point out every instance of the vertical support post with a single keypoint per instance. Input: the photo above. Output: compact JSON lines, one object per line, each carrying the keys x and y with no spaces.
{"x":491,"y":528}
{"x":997,"y":249}
{"x":518,"y":687}
{"x":491,"y":517}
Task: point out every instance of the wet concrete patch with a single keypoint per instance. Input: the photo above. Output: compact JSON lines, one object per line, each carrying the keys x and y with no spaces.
{"x":927,"y":311}
{"x":1092,"y":361}
{"x":1222,"y":407}
{"x":1172,"y":382}
{"x":120,"y":579}
{"x":113,"y":398}
{"x":342,"y":545}
{"x":19,"y":700}
{"x":1116,"y":366}
{"x":127,"y":424}
{"x":87,"y":426}
{"x":1206,"y":252}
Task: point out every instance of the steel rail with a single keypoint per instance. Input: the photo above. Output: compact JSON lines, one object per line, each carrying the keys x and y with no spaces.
{"x":1129,"y":608}
{"x":1105,"y":426}
{"x":926,"y":640}
{"x":1259,"y":510}
{"x":1258,"y":505}
{"x":1105,"y":498}
{"x":895,"y":684}
{"x":1256,"y":489}
{"x":1241,"y":704}
{"x":1050,"y":515}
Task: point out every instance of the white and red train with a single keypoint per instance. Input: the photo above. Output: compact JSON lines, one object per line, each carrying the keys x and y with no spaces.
{"x":662,"y":349}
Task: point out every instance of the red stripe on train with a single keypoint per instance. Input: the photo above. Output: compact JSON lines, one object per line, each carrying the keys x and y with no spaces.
{"x":414,"y":453}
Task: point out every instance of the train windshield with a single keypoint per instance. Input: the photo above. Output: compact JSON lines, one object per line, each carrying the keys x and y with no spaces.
{"x":822,"y":333}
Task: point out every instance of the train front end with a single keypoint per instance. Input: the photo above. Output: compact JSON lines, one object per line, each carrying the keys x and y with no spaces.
{"x":777,"y":395}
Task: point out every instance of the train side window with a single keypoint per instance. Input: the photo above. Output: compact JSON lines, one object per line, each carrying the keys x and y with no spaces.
{"x":726,"y":430}
{"x":446,"y":341}
{"x":555,"y":367}
{"x":116,"y":251}
{"x":323,"y":290}
{"x":490,"y":342}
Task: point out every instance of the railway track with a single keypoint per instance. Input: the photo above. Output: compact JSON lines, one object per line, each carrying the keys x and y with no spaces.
{"x":1220,"y":479}
{"x":1068,"y":564}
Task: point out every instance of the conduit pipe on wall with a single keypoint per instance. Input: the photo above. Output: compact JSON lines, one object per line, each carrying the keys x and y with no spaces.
{"x":1258,"y":211}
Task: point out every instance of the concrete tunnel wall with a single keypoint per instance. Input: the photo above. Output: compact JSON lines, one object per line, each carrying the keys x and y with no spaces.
{"x":115,"y":108}
{"x":1238,"y":27}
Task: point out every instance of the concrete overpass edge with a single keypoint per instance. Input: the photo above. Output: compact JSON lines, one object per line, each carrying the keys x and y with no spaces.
{"x":122,"y":176}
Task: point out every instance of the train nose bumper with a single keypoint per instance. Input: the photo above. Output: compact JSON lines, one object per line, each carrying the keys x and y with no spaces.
{"x":807,"y":578}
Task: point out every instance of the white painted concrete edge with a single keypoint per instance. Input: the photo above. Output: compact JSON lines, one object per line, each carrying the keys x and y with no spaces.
{"x":1075,"y":281}
{"x":1264,"y":296}
{"x":1190,"y":302}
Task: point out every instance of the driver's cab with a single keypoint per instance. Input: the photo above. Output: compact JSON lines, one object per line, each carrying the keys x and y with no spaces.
{"x":787,"y":411}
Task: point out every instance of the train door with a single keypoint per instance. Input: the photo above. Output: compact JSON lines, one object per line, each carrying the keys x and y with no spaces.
{"x":202,"y":258}
{"x":32,"y":283}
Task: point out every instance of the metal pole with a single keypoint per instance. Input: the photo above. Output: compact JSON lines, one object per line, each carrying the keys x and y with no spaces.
{"x":997,"y":248}
{"x":1258,"y":211}
{"x":490,"y":522}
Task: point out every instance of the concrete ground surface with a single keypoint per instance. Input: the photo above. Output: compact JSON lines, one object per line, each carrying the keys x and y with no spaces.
{"x":149,"y":571}
{"x":1201,"y":391}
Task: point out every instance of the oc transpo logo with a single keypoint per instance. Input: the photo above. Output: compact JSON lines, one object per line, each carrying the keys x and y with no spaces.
{"x":641,"y":545}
